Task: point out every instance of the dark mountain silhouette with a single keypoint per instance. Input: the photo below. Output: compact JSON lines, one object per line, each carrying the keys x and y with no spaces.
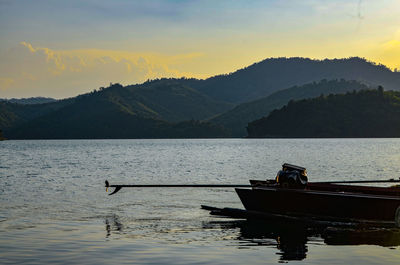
{"x":236,"y":119}
{"x":34,"y":100}
{"x":124,"y":112}
{"x":263,"y":78}
{"x":165,"y":99}
{"x":168,"y":99}
{"x":367,"y":113}
{"x":13,"y":114}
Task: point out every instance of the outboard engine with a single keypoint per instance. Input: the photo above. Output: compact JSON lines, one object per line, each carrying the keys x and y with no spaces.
{"x":292,"y":176}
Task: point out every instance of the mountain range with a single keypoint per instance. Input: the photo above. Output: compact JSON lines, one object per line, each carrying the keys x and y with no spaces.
{"x":219,"y":106}
{"x":263,"y":78}
{"x":158,"y":109}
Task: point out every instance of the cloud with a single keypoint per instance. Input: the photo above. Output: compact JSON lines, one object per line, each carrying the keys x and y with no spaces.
{"x":391,"y":45}
{"x":30,"y":71}
{"x":5,"y":83}
{"x":387,"y":52}
{"x":391,"y":53}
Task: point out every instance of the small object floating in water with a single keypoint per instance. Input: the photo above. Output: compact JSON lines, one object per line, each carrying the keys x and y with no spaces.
{"x":291,"y":196}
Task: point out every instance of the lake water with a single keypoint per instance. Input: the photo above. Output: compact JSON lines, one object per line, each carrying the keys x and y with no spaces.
{"x":54,"y":208}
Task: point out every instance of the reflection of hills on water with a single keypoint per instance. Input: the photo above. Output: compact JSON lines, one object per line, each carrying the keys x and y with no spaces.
{"x":291,"y":239}
{"x":384,"y":237}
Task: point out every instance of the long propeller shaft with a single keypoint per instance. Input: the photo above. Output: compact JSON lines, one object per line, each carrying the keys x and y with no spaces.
{"x":119,"y":187}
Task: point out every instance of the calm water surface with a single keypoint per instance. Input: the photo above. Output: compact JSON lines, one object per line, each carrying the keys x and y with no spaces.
{"x":54,"y":208}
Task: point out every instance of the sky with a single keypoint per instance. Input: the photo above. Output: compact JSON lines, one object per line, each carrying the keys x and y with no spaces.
{"x":64,"y":48}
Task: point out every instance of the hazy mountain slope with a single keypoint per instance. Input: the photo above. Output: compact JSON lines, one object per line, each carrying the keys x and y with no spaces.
{"x":110,"y":113}
{"x":173,"y":101}
{"x":114,"y":112}
{"x":270,"y":75}
{"x":165,"y":99}
{"x":236,"y":120}
{"x":34,"y":100}
{"x":13,"y":114}
{"x":368,"y":113}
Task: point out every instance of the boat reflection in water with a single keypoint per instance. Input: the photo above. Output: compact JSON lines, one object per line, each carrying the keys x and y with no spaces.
{"x":113,"y":224}
{"x":292,"y":240}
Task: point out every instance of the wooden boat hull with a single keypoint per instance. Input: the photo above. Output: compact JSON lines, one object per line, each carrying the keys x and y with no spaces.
{"x":321,"y":204}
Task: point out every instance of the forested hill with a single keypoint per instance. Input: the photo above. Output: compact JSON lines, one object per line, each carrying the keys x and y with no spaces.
{"x":14,"y":114}
{"x":158,"y":109}
{"x":263,"y":78}
{"x":236,"y":120}
{"x":168,"y":99}
{"x":367,"y":113}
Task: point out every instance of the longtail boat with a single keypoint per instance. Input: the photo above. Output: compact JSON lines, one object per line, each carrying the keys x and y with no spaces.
{"x":291,"y":197}
{"x":290,"y":194}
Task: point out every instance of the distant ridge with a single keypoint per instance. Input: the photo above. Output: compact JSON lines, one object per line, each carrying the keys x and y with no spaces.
{"x":270,"y":75}
{"x":29,"y":101}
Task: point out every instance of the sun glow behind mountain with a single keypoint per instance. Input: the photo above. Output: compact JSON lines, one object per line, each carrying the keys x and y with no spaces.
{"x":62,"y":49}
